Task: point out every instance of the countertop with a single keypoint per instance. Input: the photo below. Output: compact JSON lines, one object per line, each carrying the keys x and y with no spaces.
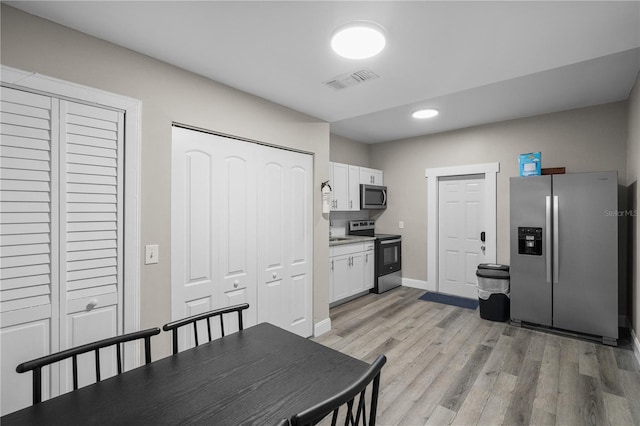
{"x":348,"y":239}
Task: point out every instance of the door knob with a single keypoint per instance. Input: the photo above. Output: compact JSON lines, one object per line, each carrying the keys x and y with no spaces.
{"x":92,"y":304}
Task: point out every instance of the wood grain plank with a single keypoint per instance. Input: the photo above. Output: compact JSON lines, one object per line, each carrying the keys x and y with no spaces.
{"x":587,"y":360}
{"x":496,"y":407}
{"x":608,"y":371}
{"x":618,"y":411}
{"x":460,"y":388}
{"x":521,"y":404}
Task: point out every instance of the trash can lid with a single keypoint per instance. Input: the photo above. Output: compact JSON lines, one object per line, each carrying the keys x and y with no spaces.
{"x":493,"y":273}
{"x":493,"y":266}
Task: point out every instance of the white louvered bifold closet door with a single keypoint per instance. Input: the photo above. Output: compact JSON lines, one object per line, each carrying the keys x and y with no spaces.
{"x":91,"y":212}
{"x":60,"y":234}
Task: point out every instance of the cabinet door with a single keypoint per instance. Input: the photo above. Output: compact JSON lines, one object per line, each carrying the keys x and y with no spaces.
{"x":341,"y":276}
{"x":340,"y":187}
{"x":371,"y":176}
{"x":378,"y":177}
{"x":369,"y":268}
{"x":356,"y":274}
{"x":354,"y":188}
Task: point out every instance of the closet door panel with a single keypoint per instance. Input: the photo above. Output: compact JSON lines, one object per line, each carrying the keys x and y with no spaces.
{"x":194,"y":230}
{"x":91,"y":228}
{"x":28,"y":227}
{"x":235,"y":195}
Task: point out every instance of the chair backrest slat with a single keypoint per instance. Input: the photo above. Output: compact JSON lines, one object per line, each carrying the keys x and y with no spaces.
{"x":75,"y":371}
{"x":174,"y":326}
{"x":97,"y":351}
{"x":37,"y":364}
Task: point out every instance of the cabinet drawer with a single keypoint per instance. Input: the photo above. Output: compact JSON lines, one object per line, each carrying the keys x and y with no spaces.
{"x":346,"y":249}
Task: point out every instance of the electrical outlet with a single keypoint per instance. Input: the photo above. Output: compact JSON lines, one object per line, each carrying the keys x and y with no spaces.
{"x":401,"y":225}
{"x":150,"y":254}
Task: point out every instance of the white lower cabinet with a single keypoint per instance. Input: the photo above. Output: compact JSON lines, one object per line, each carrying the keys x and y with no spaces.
{"x":369,"y":265}
{"x":351,"y":270}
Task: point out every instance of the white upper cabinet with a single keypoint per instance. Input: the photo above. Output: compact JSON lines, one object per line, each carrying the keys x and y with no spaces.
{"x":371,"y":176}
{"x":345,"y":187}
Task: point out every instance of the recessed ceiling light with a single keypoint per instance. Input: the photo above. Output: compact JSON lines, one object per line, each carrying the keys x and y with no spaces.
{"x":425,"y":113}
{"x":358,"y":40}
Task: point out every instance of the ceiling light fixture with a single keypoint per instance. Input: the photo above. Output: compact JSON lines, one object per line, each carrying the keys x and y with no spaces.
{"x":425,"y":113}
{"x":358,"y":40}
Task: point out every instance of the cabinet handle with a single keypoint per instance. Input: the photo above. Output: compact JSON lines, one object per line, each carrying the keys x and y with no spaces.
{"x":274,"y":275}
{"x":350,"y":204}
{"x":236,"y":284}
{"x":332,"y":265}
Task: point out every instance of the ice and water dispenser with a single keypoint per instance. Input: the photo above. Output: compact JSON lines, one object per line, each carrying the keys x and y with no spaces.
{"x":530,"y":241}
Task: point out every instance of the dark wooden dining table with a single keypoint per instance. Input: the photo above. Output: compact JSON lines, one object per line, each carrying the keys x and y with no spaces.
{"x":257,"y":376}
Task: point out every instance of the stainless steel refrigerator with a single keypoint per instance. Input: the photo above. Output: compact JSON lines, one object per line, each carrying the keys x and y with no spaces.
{"x":564,"y":252}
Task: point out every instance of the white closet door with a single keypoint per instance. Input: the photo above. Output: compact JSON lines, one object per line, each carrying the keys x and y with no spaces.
{"x":241,"y":230}
{"x":285,"y":240}
{"x":213,"y":227}
{"x":194,"y":270}
{"x":235,"y":199}
{"x":91,"y":147}
{"x":62,"y":235}
{"x":28,"y":228}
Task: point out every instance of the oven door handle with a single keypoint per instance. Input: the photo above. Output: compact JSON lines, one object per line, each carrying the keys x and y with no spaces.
{"x":397,"y":240}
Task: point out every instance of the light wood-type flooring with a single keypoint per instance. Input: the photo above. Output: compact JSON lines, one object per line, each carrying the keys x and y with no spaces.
{"x":446,"y":365}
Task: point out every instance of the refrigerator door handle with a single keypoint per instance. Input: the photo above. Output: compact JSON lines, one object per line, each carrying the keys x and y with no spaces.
{"x":556,"y":232}
{"x":548,"y":237}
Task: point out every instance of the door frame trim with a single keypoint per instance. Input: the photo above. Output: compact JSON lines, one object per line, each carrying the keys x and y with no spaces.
{"x":433,"y":175}
{"x":38,"y":83}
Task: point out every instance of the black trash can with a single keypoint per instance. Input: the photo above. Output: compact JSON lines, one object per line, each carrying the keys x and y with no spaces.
{"x":493,"y":291}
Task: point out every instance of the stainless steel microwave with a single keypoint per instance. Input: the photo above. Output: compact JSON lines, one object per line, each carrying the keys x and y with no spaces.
{"x":373,"y":197}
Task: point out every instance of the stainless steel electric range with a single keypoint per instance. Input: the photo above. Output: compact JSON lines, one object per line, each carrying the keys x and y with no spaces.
{"x":388,"y":266}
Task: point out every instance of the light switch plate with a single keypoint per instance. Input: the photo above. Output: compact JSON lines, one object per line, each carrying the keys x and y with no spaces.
{"x":401,"y":225}
{"x":150,"y":254}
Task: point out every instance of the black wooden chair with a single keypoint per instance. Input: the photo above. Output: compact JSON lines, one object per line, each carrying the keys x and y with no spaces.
{"x":175,"y":325}
{"x":313,"y":415}
{"x":117,"y":341}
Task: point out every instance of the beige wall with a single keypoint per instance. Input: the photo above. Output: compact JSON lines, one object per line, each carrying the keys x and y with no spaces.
{"x":633,"y":173}
{"x":168,"y":94}
{"x":587,"y":139}
{"x":348,"y":151}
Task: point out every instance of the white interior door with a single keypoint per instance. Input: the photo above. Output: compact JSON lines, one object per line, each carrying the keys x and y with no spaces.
{"x":194,"y":269}
{"x":461,"y":221}
{"x":62,"y":170}
{"x":235,"y":195}
{"x":285,"y":239}
{"x":241,"y":231}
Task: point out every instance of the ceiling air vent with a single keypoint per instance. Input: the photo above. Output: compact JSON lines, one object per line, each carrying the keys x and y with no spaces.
{"x":351,"y":79}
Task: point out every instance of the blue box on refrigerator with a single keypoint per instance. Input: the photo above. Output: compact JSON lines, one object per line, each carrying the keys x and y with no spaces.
{"x":530,"y":164}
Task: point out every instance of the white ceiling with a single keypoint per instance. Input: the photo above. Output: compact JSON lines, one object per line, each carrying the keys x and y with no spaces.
{"x":477,"y":62}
